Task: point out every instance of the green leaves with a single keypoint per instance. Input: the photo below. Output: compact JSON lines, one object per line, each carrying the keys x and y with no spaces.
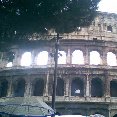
{"x":29,"y":16}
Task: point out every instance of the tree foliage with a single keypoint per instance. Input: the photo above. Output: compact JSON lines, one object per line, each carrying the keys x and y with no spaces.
{"x":22,"y":17}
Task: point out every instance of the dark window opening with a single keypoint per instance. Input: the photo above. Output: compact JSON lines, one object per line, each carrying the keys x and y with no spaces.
{"x":109,"y":28}
{"x":19,"y":88}
{"x":60,"y":87}
{"x":99,"y":25}
{"x":38,"y":88}
{"x":94,"y":39}
{"x":115,"y":115}
{"x":96,"y":88}
{"x":77,"y":113}
{"x":77,"y":88}
{"x":3,"y":88}
{"x":98,"y":113}
{"x":113,"y":88}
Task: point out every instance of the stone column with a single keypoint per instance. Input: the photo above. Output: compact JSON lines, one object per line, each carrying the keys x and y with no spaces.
{"x":68,"y":57}
{"x":50,"y":57}
{"x":107,"y":84}
{"x":10,"y":89}
{"x":33,"y":55}
{"x":47,"y":83}
{"x":104,"y":58}
{"x":86,"y":57}
{"x":1,"y":60}
{"x":27,"y":87}
{"x":116,"y":59}
{"x":67,"y":88}
{"x":101,"y":59}
{"x":17,"y":59}
{"x":87,"y":86}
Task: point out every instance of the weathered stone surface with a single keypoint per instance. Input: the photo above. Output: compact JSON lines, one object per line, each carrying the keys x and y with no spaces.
{"x":98,"y":38}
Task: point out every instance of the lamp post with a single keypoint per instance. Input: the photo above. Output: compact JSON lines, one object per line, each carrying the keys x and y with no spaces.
{"x":55,"y":71}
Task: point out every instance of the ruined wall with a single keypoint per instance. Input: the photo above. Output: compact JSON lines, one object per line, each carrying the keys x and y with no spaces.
{"x":104,"y":27}
{"x":18,"y":81}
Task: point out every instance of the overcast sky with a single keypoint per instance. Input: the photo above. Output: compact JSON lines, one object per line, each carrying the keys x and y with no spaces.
{"x":108,"y":6}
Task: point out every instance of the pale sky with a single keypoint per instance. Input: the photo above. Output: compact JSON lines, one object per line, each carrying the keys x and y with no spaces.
{"x":108,"y":6}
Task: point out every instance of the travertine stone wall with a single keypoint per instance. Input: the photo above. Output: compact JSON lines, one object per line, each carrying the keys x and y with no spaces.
{"x":96,"y":37}
{"x":97,"y":30}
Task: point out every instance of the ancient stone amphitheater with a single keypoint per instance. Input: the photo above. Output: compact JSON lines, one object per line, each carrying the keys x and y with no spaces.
{"x":86,"y":74}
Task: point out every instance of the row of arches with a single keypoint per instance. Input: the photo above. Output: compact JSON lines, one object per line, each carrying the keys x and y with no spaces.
{"x":19,"y":87}
{"x":77,"y":57}
{"x":77,"y":86}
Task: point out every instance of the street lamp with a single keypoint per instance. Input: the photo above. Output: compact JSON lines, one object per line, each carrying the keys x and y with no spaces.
{"x":55,"y":71}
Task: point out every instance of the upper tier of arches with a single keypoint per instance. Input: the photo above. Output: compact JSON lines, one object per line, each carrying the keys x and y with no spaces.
{"x":77,"y":57}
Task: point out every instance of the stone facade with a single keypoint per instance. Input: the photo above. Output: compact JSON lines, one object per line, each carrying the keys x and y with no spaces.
{"x":81,"y":88}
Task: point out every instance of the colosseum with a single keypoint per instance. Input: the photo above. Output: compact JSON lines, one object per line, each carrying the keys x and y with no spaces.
{"x":86,"y":73}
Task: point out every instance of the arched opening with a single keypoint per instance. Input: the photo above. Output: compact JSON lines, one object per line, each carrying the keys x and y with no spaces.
{"x":94,"y":58}
{"x":77,"y":57}
{"x":26,"y":59}
{"x":113,"y":88}
{"x":42,"y":58}
{"x":77,"y":87}
{"x":3,"y":88}
{"x":38,"y":87}
{"x":19,"y":88}
{"x":115,"y":115}
{"x":60,"y":87}
{"x":62,"y":57}
{"x":96,"y":87}
{"x":111,"y":59}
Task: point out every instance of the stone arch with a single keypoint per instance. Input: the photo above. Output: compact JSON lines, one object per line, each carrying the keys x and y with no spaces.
{"x":97,"y":88}
{"x":115,"y":115}
{"x":95,"y":58}
{"x":62,"y":57}
{"x":77,"y":87}
{"x":26,"y":59}
{"x":111,"y":59}
{"x":113,"y":88}
{"x":77,"y":57}
{"x":19,"y":88}
{"x":3,"y":88}
{"x":109,"y":28}
{"x":38,"y":87}
{"x":42,"y":58}
{"x":60,"y":87}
